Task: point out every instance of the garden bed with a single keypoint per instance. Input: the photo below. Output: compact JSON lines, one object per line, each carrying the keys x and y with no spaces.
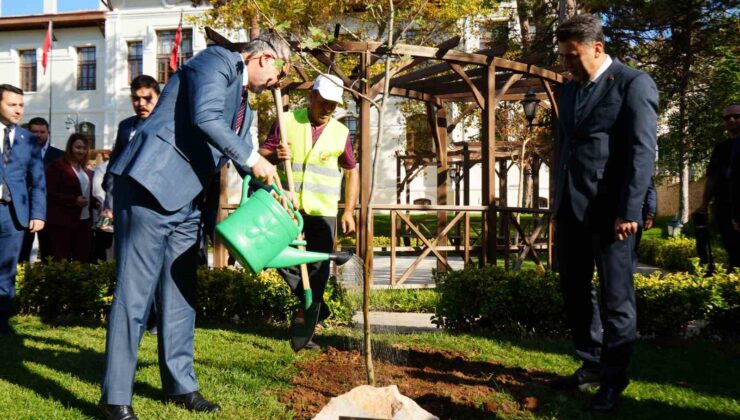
{"x":442,"y":382}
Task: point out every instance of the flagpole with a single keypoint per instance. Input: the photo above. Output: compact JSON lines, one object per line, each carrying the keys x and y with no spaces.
{"x":51,"y":77}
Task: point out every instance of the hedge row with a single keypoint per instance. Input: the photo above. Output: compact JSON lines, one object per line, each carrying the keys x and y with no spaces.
{"x":530,"y":302}
{"x":675,"y":254}
{"x":62,"y":291}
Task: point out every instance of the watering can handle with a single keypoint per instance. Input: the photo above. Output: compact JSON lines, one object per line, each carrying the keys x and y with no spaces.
{"x":276,"y":187}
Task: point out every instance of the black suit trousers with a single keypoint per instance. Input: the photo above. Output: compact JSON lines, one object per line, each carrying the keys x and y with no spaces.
{"x":603,"y":324}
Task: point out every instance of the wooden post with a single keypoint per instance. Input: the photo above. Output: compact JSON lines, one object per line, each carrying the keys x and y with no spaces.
{"x":393,"y":248}
{"x":488,"y":152}
{"x":438,"y":123}
{"x":364,"y":245}
{"x":220,"y":256}
{"x":503,"y":201}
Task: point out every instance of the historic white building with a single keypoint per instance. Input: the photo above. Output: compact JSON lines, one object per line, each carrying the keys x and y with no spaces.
{"x":96,"y":53}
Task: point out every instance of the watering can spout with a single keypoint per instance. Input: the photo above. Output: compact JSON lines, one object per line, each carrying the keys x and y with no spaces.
{"x":341,"y":257}
{"x":290,"y":257}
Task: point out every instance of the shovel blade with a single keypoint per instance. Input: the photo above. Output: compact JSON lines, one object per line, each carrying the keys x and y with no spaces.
{"x":303,"y":326}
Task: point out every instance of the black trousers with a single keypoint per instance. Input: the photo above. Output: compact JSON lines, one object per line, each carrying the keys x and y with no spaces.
{"x":730,"y":237}
{"x":604,"y":327}
{"x":319,"y":234}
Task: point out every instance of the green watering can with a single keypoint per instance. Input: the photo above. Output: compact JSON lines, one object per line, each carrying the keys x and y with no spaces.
{"x":261,"y":234}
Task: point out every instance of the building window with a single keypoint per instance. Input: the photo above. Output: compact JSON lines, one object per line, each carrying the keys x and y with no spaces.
{"x":165,"y":41}
{"x":28,"y":70}
{"x":135,"y":60}
{"x":86,"y":68}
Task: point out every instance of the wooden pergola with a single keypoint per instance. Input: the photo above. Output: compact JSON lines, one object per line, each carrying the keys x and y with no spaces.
{"x":437,"y":76}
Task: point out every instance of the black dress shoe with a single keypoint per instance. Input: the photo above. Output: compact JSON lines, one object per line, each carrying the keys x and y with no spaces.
{"x":584,"y":377}
{"x":117,"y":412}
{"x":194,"y":401}
{"x":606,"y":398}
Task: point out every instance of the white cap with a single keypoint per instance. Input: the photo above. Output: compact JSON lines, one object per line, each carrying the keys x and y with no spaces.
{"x":329,"y":87}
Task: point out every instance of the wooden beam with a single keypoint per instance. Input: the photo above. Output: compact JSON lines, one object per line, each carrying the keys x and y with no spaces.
{"x":437,"y":117}
{"x":365,"y":160}
{"x":467,"y":111}
{"x":488,"y":148}
{"x":551,"y":97}
{"x":474,"y":89}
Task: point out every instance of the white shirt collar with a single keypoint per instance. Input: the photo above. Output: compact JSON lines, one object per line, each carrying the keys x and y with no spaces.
{"x":2,"y":133}
{"x":245,"y":75}
{"x":605,"y":65}
{"x":45,"y":148}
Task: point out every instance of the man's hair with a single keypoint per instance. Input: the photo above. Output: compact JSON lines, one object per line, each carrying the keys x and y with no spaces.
{"x":10,"y":88}
{"x":38,"y":121}
{"x":144,"y":81}
{"x":268,"y":42}
{"x":585,"y":28}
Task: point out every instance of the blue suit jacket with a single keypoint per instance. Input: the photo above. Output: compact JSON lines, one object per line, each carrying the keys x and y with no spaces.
{"x":650,"y":206}
{"x":123,"y":136}
{"x":188,"y":137}
{"x":25,"y":177}
{"x":607,"y":152}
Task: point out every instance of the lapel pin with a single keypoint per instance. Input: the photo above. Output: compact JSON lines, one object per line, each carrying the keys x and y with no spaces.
{"x":610,"y":78}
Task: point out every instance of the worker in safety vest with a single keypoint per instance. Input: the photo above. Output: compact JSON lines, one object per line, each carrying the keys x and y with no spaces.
{"x":320,"y":151}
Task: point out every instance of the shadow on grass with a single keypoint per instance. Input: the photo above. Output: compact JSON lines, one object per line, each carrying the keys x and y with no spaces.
{"x":67,"y":358}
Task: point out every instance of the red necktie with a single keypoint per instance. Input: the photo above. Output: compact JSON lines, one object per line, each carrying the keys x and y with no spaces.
{"x":242,"y":110}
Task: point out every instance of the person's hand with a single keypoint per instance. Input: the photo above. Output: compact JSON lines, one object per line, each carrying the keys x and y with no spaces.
{"x":35,"y":225}
{"x":283,"y":152}
{"x":81,"y":201}
{"x":107,"y":213}
{"x":348,"y":223}
{"x":264,"y":171}
{"x":624,"y":228}
{"x":649,"y":222}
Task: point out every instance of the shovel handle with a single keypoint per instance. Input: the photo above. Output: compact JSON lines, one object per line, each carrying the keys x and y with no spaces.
{"x":291,"y":187}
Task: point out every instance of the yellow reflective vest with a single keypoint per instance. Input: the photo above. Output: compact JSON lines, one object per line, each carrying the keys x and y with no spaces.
{"x":316,"y":172}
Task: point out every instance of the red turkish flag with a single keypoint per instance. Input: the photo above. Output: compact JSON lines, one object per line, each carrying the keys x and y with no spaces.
{"x":176,"y":46}
{"x":47,"y":48}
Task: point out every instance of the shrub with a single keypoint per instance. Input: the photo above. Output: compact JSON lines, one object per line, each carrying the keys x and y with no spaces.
{"x":398,"y":300}
{"x":530,"y":302}
{"x":492,"y":298}
{"x":62,"y":291}
{"x":671,"y":254}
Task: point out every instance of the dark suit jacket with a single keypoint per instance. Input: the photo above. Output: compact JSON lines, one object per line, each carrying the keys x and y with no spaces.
{"x":63,"y":188}
{"x":607,"y":152}
{"x":24,"y":175}
{"x":51,"y":156}
{"x":650,"y":206}
{"x":188,"y":137}
{"x":122,"y":139}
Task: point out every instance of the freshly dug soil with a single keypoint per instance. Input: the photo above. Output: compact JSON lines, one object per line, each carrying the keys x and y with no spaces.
{"x":443,"y":383}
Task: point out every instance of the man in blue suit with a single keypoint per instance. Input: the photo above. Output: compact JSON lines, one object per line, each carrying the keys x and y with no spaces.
{"x":202,"y":120}
{"x":39,"y":127}
{"x":607,"y":138}
{"x":22,"y":193}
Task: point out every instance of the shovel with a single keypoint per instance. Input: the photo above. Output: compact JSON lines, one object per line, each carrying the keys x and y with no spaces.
{"x":303,"y":323}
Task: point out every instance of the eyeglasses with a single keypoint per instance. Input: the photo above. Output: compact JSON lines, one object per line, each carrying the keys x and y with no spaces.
{"x":283,"y":73}
{"x":729,"y":117}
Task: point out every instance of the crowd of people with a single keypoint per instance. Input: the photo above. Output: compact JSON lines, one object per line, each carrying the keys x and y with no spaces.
{"x":161,"y":172}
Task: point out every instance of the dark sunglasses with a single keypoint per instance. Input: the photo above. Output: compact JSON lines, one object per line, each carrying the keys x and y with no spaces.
{"x":731,"y":116}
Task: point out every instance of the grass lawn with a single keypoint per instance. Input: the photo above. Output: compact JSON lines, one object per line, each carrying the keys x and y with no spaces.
{"x":54,"y":372}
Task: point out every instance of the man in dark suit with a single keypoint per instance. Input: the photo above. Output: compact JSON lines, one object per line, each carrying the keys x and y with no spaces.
{"x":144,"y":96}
{"x":201,"y":121}
{"x":607,"y":138}
{"x":39,"y":127}
{"x":22,"y":193}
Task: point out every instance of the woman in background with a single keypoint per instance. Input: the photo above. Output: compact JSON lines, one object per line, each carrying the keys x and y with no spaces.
{"x":70,"y":203}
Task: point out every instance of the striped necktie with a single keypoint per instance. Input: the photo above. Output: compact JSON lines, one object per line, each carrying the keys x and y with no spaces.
{"x":242,"y":110}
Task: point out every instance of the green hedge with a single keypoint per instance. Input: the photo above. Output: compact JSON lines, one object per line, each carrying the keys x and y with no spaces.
{"x":492,"y":298}
{"x":530,"y":302}
{"x":674,"y":254}
{"x":62,"y":291}
{"x":397,"y":300}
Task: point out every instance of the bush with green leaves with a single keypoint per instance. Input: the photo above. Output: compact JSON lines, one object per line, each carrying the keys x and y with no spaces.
{"x":69,"y":290}
{"x":530,"y":302}
{"x":491,"y":298}
{"x":675,"y":254}
{"x":397,"y":300}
